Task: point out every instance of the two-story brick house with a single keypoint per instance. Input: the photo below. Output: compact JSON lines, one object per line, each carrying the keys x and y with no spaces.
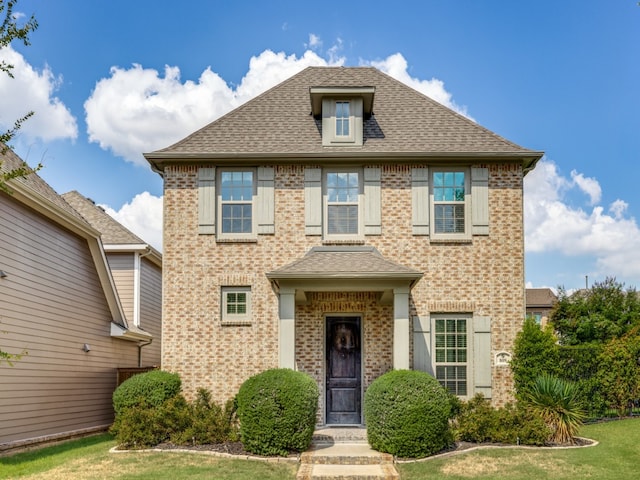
{"x":344,"y":225}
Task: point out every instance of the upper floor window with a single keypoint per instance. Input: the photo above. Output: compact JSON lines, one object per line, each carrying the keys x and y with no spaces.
{"x":343,"y":203}
{"x":449,"y":202}
{"x":237,"y":190}
{"x":342,"y":119}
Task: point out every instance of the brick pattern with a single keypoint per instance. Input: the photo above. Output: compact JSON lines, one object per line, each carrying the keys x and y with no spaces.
{"x":484,"y":276}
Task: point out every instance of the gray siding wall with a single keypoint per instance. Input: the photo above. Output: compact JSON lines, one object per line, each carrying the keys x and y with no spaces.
{"x":151,"y":310}
{"x":122,"y":271}
{"x":51,"y":303}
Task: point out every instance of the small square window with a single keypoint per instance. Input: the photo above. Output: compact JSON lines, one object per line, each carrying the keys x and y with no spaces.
{"x":236,"y":305}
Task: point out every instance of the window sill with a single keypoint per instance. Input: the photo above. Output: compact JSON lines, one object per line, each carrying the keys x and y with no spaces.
{"x":236,"y":323}
{"x":236,"y":240}
{"x":344,"y":241}
{"x":451,"y":240}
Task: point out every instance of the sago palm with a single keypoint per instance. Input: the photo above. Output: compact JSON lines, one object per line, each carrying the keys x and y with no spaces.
{"x":556,"y":401}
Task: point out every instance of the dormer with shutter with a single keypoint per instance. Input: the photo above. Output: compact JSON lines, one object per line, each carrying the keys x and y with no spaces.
{"x":342,"y":110}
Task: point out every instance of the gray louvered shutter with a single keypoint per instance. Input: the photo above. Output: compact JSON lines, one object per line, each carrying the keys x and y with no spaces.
{"x":313,"y":201}
{"x":265,"y":209}
{"x":482,"y":355}
{"x":422,"y":344}
{"x":420,"y":200}
{"x":372,"y":215}
{"x":207,"y":200}
{"x":480,"y":201}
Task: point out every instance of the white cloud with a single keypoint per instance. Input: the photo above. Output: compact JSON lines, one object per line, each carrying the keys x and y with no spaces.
{"x":314,"y":42}
{"x":138,"y":110}
{"x":33,"y":90}
{"x":143,"y":216}
{"x":588,"y":185}
{"x":552,"y":225}
{"x":396,"y":66}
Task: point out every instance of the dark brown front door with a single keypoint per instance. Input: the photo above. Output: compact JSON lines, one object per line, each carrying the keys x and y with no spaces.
{"x":343,"y":371}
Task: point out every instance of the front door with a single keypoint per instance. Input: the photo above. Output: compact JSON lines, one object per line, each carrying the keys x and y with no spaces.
{"x":344,"y":393}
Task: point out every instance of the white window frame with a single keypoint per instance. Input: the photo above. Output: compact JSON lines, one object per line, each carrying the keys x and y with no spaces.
{"x":235,"y":318}
{"x":468,"y":364}
{"x":359,"y":204}
{"x":220,"y":202}
{"x":467,"y":205}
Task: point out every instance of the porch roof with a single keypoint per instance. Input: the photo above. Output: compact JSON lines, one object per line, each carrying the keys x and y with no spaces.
{"x":332,"y":262}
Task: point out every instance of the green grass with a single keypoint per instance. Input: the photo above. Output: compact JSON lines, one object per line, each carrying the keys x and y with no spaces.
{"x":616,"y":457}
{"x":90,"y":459}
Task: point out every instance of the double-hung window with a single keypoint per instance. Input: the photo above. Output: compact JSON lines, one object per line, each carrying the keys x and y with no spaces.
{"x":451,"y":353}
{"x":343,"y":192}
{"x":449,"y":202}
{"x":343,"y":118}
{"x":235,"y":212}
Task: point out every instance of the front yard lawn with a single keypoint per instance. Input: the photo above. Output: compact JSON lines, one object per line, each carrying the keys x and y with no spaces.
{"x":616,"y":457}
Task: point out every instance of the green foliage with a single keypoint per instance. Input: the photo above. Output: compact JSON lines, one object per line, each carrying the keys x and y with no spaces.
{"x":10,"y":31}
{"x":597,"y":315}
{"x":277,"y":411}
{"x":149,"y":389}
{"x":208,"y":422}
{"x":535,"y":354}
{"x":579,"y":364}
{"x":479,"y":422}
{"x":407,"y":414}
{"x":143,"y":426}
{"x":558,"y":404}
{"x":619,"y":373}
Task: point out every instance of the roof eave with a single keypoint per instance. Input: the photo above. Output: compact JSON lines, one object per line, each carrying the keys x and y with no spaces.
{"x":158,"y":160}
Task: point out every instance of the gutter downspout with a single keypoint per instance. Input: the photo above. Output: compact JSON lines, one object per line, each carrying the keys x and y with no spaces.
{"x":141,"y":345}
{"x":136,"y":304}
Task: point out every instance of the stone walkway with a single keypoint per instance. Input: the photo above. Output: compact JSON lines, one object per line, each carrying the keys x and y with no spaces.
{"x":343,"y":453}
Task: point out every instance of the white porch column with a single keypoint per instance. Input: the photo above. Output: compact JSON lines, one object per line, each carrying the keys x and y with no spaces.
{"x":287,"y":331}
{"x":401,"y":328}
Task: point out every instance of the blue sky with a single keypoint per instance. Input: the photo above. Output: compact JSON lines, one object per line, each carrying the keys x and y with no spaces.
{"x":109,"y":80}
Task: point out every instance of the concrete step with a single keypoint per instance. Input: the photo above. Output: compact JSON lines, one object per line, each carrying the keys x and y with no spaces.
{"x":340,"y":434}
{"x":347,"y":472}
{"x":345,"y":460}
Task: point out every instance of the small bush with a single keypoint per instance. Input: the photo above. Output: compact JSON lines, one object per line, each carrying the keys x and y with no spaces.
{"x":479,"y":422}
{"x":407,"y":414}
{"x":142,"y":426}
{"x":619,"y":374}
{"x":149,"y":389}
{"x":277,"y":412}
{"x":208,"y":422}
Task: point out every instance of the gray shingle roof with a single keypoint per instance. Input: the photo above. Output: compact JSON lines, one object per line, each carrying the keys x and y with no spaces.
{"x":279,"y":122}
{"x":344,"y":262}
{"x":112,"y":232}
{"x":540,"y":297}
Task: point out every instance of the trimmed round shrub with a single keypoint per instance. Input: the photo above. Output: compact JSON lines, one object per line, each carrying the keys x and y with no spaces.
{"x":149,"y":389}
{"x":277,"y":412}
{"x":407,"y":414}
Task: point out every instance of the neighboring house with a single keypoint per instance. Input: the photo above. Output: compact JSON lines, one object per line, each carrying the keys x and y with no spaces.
{"x":59,"y":304}
{"x":136,"y":268}
{"x":540,"y":302}
{"x":343,"y":224}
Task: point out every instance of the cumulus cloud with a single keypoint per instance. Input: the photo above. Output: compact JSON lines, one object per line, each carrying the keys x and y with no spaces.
{"x":552,"y":225}
{"x":314,"y":42}
{"x":396,"y":66}
{"x":143,"y":216}
{"x":33,"y":90}
{"x":137,"y":110}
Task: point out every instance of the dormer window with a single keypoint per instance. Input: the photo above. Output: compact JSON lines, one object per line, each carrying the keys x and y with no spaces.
{"x":342,"y":110}
{"x":342,"y":119}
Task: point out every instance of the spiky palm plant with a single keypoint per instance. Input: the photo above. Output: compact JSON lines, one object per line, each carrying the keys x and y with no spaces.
{"x":557,"y":402}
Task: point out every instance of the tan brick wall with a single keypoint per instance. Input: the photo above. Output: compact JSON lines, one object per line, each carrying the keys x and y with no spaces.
{"x":484,"y":277}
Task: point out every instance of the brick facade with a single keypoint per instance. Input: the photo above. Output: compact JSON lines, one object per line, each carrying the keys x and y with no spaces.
{"x":484,"y":276}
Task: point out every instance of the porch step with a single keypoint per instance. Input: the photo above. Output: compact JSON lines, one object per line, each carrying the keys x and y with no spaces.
{"x":331,"y":459}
